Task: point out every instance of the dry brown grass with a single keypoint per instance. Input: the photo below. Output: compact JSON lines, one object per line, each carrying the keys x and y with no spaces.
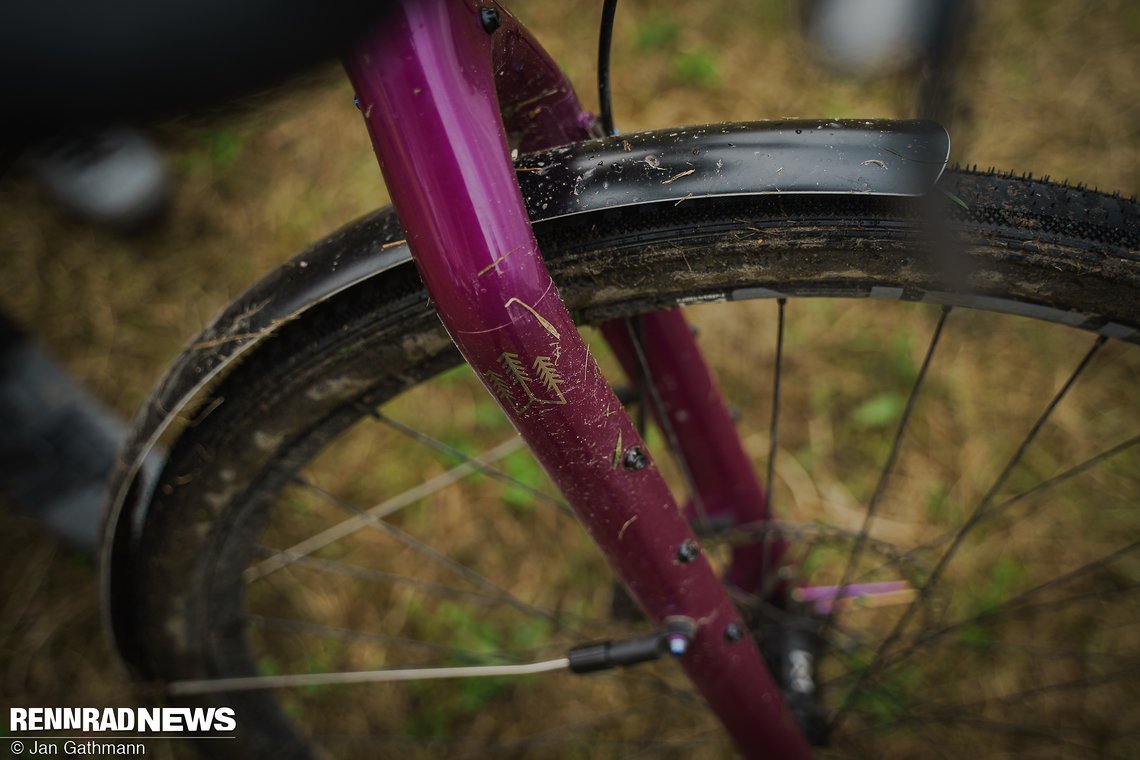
{"x":1048,"y":88}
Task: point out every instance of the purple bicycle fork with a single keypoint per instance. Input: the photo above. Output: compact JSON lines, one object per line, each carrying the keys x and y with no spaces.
{"x":426,"y":84}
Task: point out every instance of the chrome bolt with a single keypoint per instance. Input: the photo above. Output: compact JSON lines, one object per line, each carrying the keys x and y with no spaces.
{"x":678,"y":644}
{"x":688,"y":551}
{"x":491,"y":19}
{"x":634,"y":458}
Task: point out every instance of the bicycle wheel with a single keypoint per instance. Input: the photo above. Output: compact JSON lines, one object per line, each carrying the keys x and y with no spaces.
{"x":350,"y":499}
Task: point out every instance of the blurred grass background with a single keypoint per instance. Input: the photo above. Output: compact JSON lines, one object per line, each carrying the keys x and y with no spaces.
{"x":1050,"y":88}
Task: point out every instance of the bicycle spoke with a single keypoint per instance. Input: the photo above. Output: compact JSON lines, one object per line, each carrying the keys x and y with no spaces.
{"x":565,"y":732}
{"x":1098,"y":595}
{"x":308,"y":628}
{"x":773,"y":445}
{"x":774,"y":426}
{"x":381,"y":577}
{"x":1040,"y":488}
{"x":392,"y":579}
{"x":638,"y":326}
{"x":1049,"y":732}
{"x":475,"y":462}
{"x":1011,"y":605}
{"x":351,"y":525}
{"x":666,"y":425}
{"x":977,"y":514}
{"x":440,"y":559}
{"x":460,"y":747}
{"x":888,"y":467}
{"x":971,"y":713}
{"x":1037,"y":651}
{"x":1052,"y":688}
{"x":926,"y":709}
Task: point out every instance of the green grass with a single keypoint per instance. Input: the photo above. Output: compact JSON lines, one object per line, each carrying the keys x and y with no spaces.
{"x":880,"y":411}
{"x":697,"y":67}
{"x":657,"y":34}
{"x":525,"y":471}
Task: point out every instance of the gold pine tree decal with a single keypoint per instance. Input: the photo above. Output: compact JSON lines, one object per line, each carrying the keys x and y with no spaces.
{"x":517,"y":376}
{"x":515,"y":367}
{"x":548,"y":375}
{"x":500,"y":386}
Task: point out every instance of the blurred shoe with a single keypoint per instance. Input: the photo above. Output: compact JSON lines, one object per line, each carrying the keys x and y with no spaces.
{"x":112,"y":177}
{"x":57,"y":443}
{"x":865,"y":38}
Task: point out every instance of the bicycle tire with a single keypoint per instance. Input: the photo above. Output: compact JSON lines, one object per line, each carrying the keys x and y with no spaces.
{"x":1023,"y":246}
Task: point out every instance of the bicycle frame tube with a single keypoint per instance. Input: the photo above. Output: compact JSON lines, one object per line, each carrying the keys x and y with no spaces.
{"x":426,"y":83}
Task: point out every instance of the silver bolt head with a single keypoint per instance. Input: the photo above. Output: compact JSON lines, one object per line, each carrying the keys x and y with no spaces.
{"x":678,"y":645}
